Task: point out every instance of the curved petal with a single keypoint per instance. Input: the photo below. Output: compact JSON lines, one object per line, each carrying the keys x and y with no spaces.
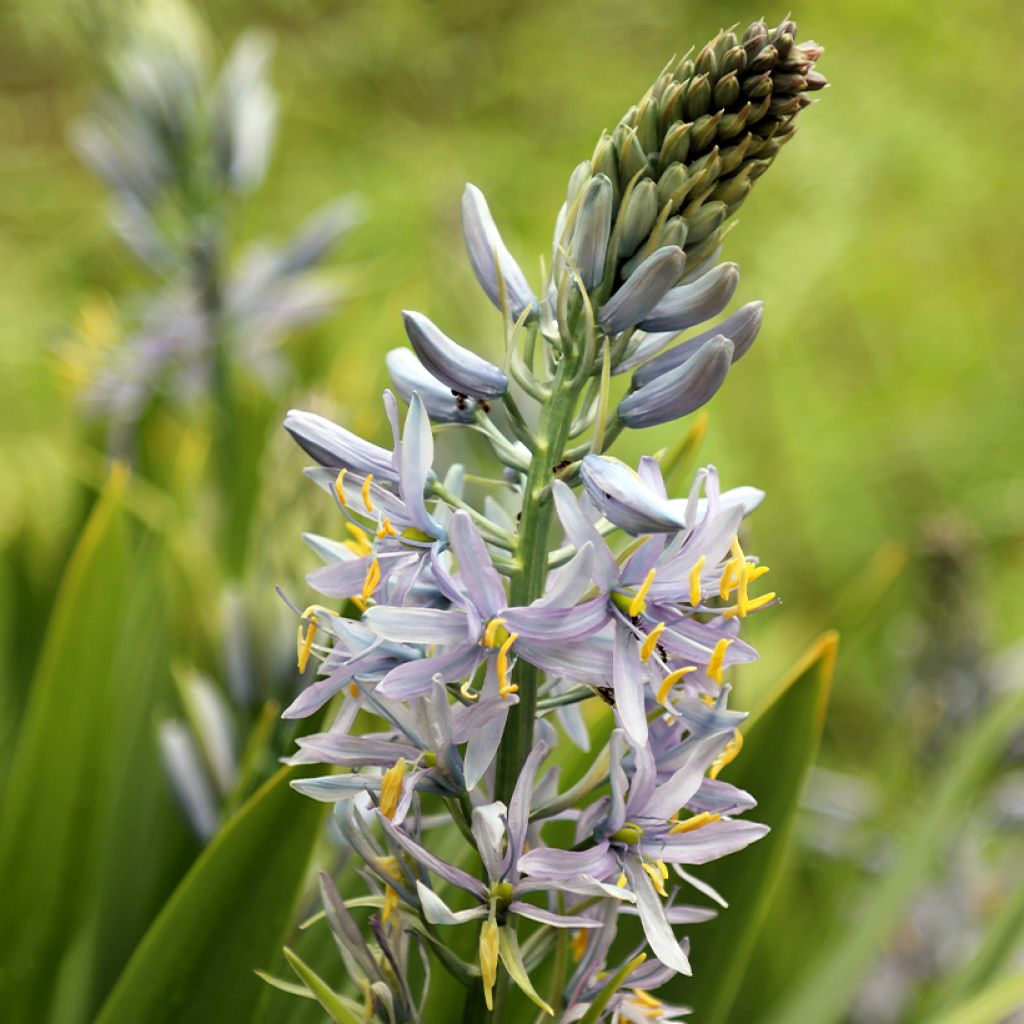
{"x":694,"y":303}
{"x":623,"y":497}
{"x":643,"y":290}
{"x":409,"y":377}
{"x":652,"y":916}
{"x":337,"y":448}
{"x":462,"y":370}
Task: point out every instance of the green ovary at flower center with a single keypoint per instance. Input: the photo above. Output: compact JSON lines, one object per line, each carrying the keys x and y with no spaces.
{"x":629,"y":834}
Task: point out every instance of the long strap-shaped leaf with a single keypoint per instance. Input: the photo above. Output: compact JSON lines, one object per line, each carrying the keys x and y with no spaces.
{"x":991,"y":1006}
{"x":831,"y":983}
{"x":780,"y":744}
{"x":228,"y":917}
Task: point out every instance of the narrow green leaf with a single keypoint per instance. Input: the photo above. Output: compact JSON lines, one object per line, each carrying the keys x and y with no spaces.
{"x":228,"y":917}
{"x":324,"y":994}
{"x":993,"y":1006}
{"x":831,"y":983}
{"x":612,"y":985}
{"x":288,"y":987}
{"x":780,"y":744}
{"x":90,"y":843}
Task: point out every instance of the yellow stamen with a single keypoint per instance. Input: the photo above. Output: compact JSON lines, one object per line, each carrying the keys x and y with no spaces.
{"x":733,"y":747}
{"x":366,"y":492}
{"x":641,"y":997}
{"x":390,"y":903}
{"x":737,"y":551}
{"x":752,"y":605}
{"x":639,"y":603}
{"x":671,"y":679}
{"x":353,"y":689}
{"x":504,"y":686}
{"x":359,"y":545}
{"x":621,"y":882}
{"x":466,"y":692}
{"x":389,"y":866}
{"x":729,"y":578}
{"x":655,"y":876}
{"x":757,"y":571}
{"x":304,"y":638}
{"x":386,"y":529}
{"x":489,"y":959}
{"x":391,"y":788}
{"x":371,"y":581}
{"x":708,"y":699}
{"x":662,"y":867}
{"x":695,"y":572}
{"x":697,"y":821}
{"x":490,"y":633}
{"x":651,"y":641}
{"x":715,"y":668}
{"x":579,"y":945}
{"x":339,"y":488}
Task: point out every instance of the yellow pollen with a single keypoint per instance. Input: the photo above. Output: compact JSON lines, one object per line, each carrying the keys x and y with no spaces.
{"x":651,"y":641}
{"x":695,"y":572}
{"x":504,"y":686}
{"x":490,"y":633}
{"x":579,"y":945}
{"x":643,"y":999}
{"x":389,"y":866}
{"x":757,"y":571}
{"x":663,"y":869}
{"x":386,"y":529}
{"x":621,"y":883}
{"x":466,"y":692}
{"x":359,"y":545}
{"x":655,"y":876}
{"x":391,"y":788}
{"x":339,"y":488}
{"x":366,"y":492}
{"x":353,"y":689}
{"x":708,"y":699}
{"x":697,"y":821}
{"x":717,"y":658}
{"x":733,"y":747}
{"x":489,"y":959}
{"x":671,"y":679}
{"x":639,"y":603}
{"x":390,"y":903}
{"x":752,"y":605}
{"x":371,"y":581}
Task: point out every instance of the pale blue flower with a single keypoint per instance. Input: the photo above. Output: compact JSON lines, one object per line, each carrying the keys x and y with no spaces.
{"x":462,"y":370}
{"x":643,"y":290}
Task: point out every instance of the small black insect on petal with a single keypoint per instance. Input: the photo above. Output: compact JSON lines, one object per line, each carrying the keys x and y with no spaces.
{"x":606,"y":694}
{"x":564,"y":464}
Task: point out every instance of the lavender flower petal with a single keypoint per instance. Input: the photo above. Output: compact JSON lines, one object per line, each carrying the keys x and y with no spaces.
{"x":462,"y":370}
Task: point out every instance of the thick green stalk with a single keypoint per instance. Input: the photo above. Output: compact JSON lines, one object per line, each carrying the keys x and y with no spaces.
{"x":528,"y":581}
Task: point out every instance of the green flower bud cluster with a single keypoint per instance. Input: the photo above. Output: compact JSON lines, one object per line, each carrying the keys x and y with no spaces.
{"x":682,"y":161}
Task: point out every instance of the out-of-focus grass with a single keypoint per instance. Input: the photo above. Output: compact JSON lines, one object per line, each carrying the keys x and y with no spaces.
{"x":883,"y":395}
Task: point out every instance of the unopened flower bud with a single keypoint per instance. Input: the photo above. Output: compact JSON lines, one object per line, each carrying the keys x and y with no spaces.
{"x":644,"y":289}
{"x":638,"y":216}
{"x":691,"y":304}
{"x":462,"y":370}
{"x":593,"y":226}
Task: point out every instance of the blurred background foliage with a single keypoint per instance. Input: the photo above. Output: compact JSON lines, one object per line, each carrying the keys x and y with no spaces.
{"x":880,"y":409}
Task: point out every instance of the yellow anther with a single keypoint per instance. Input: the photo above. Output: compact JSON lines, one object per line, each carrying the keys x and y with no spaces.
{"x":579,"y":944}
{"x":304,"y":638}
{"x":489,"y":959}
{"x":353,"y":690}
{"x":621,"y":882}
{"x":644,"y":999}
{"x":639,"y":602}
{"x":729,"y":578}
{"x":651,"y":642}
{"x":697,"y":821}
{"x":371,"y":581}
{"x":388,"y":865}
{"x":366,"y":492}
{"x":491,"y":632}
{"x":737,"y":551}
{"x":756,"y":572}
{"x":671,"y":679}
{"x":752,"y":605}
{"x":390,"y":903}
{"x":732,"y":748}
{"x":339,"y":488}
{"x":708,"y":699}
{"x":359,"y":545}
{"x":663,"y":868}
{"x":391,"y":788}
{"x":386,"y":529}
{"x":467,"y":692}
{"x":715,"y":665}
{"x":655,"y":875}
{"x":695,"y":572}
{"x":504,"y":686}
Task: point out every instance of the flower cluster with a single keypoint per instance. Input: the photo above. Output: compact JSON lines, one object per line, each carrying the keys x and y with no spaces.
{"x":178,"y":147}
{"x":474,"y":637}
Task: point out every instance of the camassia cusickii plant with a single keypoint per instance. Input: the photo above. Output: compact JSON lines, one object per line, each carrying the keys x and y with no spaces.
{"x":469,"y":640}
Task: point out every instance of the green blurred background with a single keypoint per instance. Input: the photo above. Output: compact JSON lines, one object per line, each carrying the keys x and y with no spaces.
{"x":880,"y":408}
